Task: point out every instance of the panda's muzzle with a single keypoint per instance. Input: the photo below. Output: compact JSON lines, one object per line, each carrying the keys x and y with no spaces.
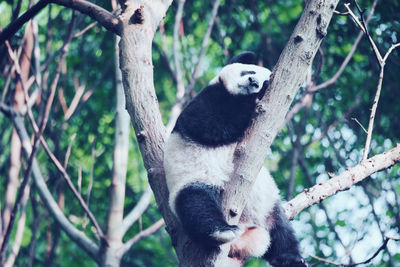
{"x":253,"y":82}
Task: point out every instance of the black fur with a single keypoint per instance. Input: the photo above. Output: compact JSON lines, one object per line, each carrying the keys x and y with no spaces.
{"x":215,"y":117}
{"x":284,"y":251}
{"x":246,"y":57}
{"x":199,"y":209}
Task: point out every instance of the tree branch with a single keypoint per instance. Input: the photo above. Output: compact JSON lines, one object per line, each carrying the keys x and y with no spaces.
{"x":204,"y":43}
{"x":137,"y":211}
{"x":99,"y":14}
{"x":142,"y":234}
{"x":183,"y":94}
{"x":14,"y":26}
{"x":382,"y":247}
{"x":287,"y":77}
{"x":310,"y":90}
{"x":38,"y":133}
{"x":348,"y":57}
{"x":180,"y":87}
{"x":77,"y":236}
{"x":341,"y":182}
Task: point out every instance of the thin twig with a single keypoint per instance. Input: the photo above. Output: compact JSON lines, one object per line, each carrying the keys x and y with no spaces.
{"x":359,"y":123}
{"x":137,"y":211}
{"x":326,"y":260}
{"x":382,"y":247}
{"x":164,"y":52}
{"x":79,"y":90}
{"x":37,"y":137}
{"x":90,"y":186}
{"x":55,"y":161}
{"x":84,"y":30}
{"x":183,"y":94}
{"x":307,"y":96}
{"x":204,"y":43}
{"x":77,"y":194}
{"x":180,"y":91}
{"x":68,"y":153}
{"x":381,"y":61}
{"x":142,"y":234}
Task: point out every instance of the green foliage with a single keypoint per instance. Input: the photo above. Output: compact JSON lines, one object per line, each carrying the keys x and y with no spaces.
{"x":261,"y":26}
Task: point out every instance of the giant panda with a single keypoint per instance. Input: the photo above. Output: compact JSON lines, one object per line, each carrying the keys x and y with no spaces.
{"x":198,"y":161}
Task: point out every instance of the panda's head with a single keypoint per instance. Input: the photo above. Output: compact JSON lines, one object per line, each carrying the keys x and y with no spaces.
{"x":242,"y":76}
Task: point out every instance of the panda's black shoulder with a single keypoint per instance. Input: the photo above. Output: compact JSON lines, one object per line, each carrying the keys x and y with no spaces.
{"x":215,"y":117}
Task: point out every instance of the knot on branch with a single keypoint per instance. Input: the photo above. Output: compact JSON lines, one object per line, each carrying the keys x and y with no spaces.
{"x":137,"y":17}
{"x":239,"y":152}
{"x":321,"y":28}
{"x":140,"y":136}
{"x":259,"y":109}
{"x":298,"y":39}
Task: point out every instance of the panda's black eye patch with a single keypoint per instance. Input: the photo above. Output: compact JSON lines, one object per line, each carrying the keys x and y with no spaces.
{"x":247,"y":72}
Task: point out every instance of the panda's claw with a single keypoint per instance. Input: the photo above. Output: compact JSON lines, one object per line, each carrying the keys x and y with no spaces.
{"x":227,"y":235}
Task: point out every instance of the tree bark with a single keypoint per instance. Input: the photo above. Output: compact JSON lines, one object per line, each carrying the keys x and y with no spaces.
{"x":114,"y":234}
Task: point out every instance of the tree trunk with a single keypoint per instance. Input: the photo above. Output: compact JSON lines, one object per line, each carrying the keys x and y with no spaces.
{"x":109,"y":249}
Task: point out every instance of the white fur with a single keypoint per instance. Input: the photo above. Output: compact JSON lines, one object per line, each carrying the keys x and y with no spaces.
{"x":237,"y":84}
{"x":254,"y":242}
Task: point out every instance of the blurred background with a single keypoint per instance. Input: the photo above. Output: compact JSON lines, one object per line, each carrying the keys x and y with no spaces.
{"x":321,"y":137}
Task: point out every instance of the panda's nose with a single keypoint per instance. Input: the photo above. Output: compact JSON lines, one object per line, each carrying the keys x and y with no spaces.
{"x":253,"y":82}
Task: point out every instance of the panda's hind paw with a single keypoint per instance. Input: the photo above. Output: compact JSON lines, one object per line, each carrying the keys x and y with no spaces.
{"x":226,"y":234}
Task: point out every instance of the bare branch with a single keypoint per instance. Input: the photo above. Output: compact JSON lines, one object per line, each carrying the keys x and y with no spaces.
{"x":120,"y":162}
{"x":164,"y":52}
{"x":35,"y":226}
{"x":298,"y":54}
{"x":382,"y":247}
{"x":137,"y":211}
{"x":14,"y":26}
{"x":342,"y":181}
{"x":77,"y":236}
{"x":39,"y":130}
{"x":79,"y":90}
{"x":180,"y":87}
{"x":182,"y":94}
{"x":99,"y":14}
{"x":77,"y":194}
{"x":84,"y":30}
{"x":20,"y":230}
{"x":310,"y":90}
{"x":204,"y":43}
{"x":349,"y":55}
{"x":359,"y":123}
{"x":394,"y":46}
{"x":37,"y":136}
{"x":90,"y":185}
{"x":142,"y":234}
{"x":364,"y":28}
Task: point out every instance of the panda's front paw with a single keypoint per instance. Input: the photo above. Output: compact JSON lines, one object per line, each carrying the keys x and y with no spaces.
{"x":226,"y":234}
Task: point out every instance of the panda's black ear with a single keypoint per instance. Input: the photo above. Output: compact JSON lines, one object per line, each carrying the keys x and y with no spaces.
{"x":246,"y":57}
